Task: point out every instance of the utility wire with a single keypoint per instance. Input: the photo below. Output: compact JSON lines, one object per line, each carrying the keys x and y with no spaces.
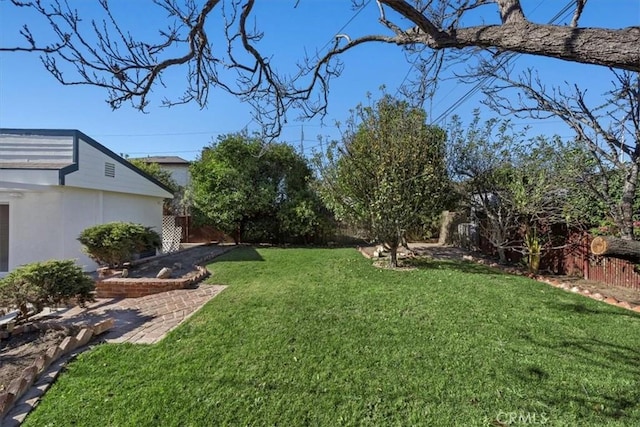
{"x":506,"y":59}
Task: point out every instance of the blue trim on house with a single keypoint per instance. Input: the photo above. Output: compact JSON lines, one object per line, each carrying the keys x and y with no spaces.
{"x":77,"y":135}
{"x":76,"y":162}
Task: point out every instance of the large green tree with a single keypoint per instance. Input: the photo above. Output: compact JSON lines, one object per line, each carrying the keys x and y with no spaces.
{"x":388,"y":174}
{"x":249,"y":190}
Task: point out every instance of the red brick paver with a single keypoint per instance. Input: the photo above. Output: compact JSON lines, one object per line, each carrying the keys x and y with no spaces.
{"x":145,"y":320}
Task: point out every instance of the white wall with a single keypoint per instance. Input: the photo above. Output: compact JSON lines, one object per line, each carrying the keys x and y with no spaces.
{"x":35,"y":226}
{"x":179,"y":173}
{"x":132,"y":208}
{"x":29,"y":176}
{"x":91,"y":174}
{"x":46,"y":224}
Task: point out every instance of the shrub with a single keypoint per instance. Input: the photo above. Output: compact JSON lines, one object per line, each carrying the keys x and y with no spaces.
{"x":116,"y":242}
{"x":45,"y":283}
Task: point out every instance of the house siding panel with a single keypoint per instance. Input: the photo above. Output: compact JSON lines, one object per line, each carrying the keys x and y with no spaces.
{"x":36,"y":149}
{"x":91,"y":174}
{"x":132,"y":208}
{"x":179,"y":173}
{"x":29,"y":176}
{"x":35,"y":227}
{"x":81,"y":209}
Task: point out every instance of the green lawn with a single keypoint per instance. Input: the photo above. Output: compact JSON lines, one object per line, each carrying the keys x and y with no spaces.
{"x":320,"y":337}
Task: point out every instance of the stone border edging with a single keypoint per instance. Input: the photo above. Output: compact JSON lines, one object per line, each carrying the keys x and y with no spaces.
{"x":549,"y":281}
{"x":555,"y":283}
{"x":20,"y":385}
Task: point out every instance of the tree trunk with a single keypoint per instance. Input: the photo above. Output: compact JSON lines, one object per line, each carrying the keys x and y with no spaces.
{"x":626,"y":206}
{"x":449,"y":228}
{"x":393,"y":255}
{"x":498,"y":239}
{"x":502,"y":256}
{"x":237,"y":238}
{"x":614,"y":246}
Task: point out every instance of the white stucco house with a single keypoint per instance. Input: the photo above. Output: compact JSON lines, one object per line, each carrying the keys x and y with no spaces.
{"x":56,"y":183}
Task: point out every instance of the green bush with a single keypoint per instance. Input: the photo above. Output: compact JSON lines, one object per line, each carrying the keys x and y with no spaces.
{"x":44,"y":284}
{"x":116,"y":242}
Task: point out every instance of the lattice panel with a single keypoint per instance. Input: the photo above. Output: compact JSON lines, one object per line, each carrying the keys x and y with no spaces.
{"x":170,"y":234}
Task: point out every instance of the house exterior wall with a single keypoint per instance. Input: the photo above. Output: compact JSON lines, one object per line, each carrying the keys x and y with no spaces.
{"x":45,"y":225}
{"x":179,"y":173}
{"x":91,"y":174}
{"x":29,"y":176}
{"x":35,"y":226}
{"x":59,"y":182}
{"x":36,"y":148}
{"x":138,"y":209}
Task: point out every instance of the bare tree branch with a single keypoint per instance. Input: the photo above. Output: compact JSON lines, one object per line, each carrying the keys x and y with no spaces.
{"x":578,"y":12}
{"x":101,"y":52}
{"x":610,"y":131}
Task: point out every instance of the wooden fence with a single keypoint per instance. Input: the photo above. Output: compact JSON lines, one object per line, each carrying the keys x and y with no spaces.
{"x":576,"y":259}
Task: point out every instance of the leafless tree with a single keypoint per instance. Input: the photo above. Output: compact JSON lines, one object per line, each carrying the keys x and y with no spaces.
{"x":610,"y":130}
{"x":103,"y":53}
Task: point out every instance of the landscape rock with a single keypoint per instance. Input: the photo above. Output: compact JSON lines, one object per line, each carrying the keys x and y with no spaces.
{"x":102,"y":272}
{"x":165,"y":273}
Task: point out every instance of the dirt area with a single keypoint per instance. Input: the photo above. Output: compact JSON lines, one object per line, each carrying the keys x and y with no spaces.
{"x":20,"y":351}
{"x":435,"y":251}
{"x":181,"y":263}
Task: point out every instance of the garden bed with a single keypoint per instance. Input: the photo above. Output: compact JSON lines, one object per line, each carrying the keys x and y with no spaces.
{"x":141,"y":278}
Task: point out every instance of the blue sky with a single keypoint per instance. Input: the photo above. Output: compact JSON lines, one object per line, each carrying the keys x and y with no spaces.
{"x":31,"y":98}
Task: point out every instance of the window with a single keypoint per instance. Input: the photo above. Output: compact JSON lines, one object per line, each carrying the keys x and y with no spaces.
{"x":109,"y":170}
{"x":4,"y":237}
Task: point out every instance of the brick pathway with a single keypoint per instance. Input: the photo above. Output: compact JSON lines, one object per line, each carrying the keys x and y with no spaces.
{"x":144,"y":320}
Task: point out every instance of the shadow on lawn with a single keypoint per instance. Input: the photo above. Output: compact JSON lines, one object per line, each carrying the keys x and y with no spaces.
{"x":603,"y":309}
{"x":615,"y":400}
{"x":461,"y":266}
{"x":243,"y":253}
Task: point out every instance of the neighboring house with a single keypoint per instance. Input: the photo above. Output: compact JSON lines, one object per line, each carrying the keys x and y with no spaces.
{"x":178,"y":167}
{"x":179,"y":226}
{"x":56,"y":183}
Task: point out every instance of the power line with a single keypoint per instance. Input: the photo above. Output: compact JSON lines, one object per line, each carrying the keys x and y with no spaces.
{"x":206,"y":132}
{"x":506,"y":59}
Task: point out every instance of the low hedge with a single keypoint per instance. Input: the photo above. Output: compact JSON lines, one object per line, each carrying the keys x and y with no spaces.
{"x":43,"y":284}
{"x":115,"y":243}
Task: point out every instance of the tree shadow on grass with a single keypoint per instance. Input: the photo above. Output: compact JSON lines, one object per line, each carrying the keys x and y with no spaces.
{"x":610,"y":399}
{"x":243,"y":253}
{"x":591,"y":309}
{"x":424,"y":263}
